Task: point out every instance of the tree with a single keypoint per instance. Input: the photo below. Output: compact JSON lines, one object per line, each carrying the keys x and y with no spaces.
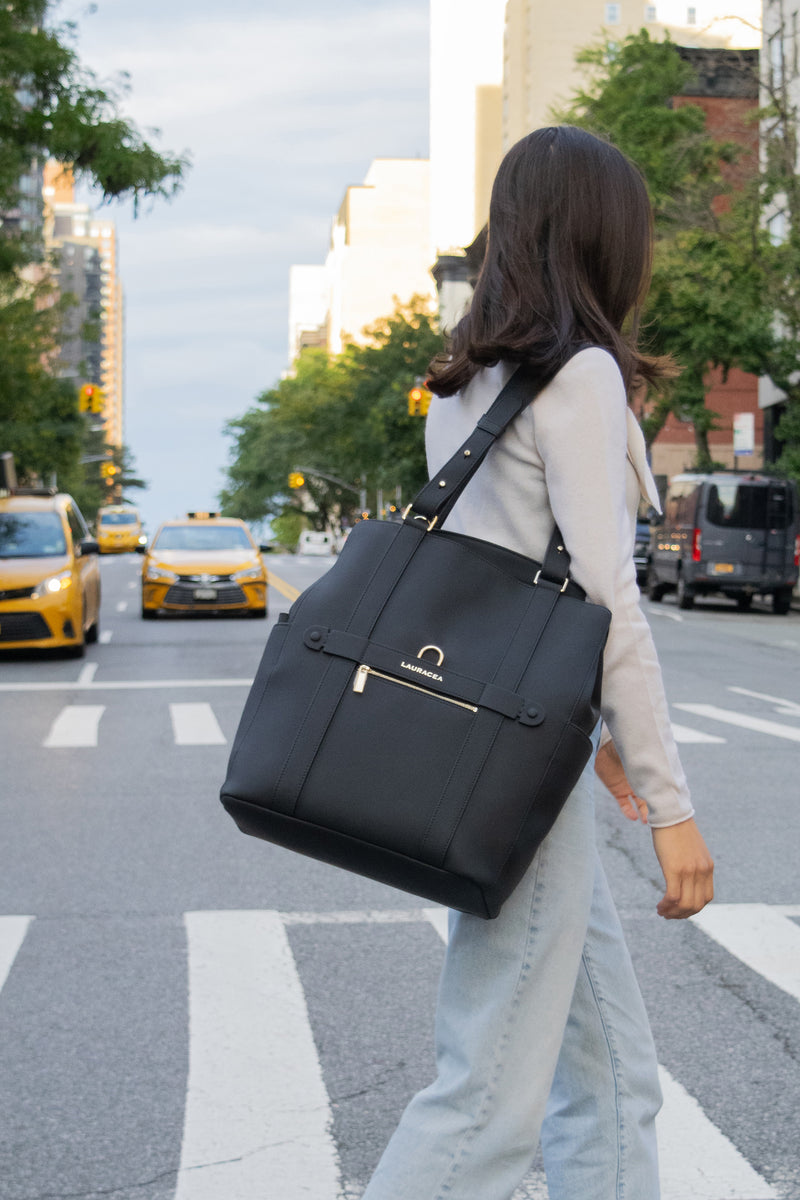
{"x":706,"y":306}
{"x":344,"y":417}
{"x":51,"y":106}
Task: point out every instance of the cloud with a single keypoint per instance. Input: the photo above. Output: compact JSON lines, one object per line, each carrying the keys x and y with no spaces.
{"x":281,"y":110}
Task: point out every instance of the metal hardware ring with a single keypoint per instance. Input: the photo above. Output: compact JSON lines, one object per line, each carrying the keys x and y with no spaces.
{"x":436,"y":649}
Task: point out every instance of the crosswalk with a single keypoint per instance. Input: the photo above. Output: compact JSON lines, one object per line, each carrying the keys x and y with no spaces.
{"x":256,"y":1106}
{"x":80,"y":723}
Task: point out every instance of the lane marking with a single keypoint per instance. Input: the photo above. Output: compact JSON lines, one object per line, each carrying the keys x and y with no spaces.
{"x":12,"y":935}
{"x":280,"y":585}
{"x":122,"y":605}
{"x":87,"y":673}
{"x":105,"y":637}
{"x":695,"y":1157}
{"x":121,"y":685}
{"x":664,"y":612}
{"x":195,"y":725}
{"x":257,"y":1113}
{"x":757,"y":724}
{"x":762,"y":936}
{"x":75,"y":725}
{"x":682,"y":733}
{"x":133,"y":584}
{"x":786,"y":708}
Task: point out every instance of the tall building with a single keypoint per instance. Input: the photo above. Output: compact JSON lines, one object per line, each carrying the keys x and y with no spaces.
{"x":83,"y":250}
{"x":542,"y":40}
{"x":781,"y":57}
{"x":466,"y":89}
{"x":379,"y":254}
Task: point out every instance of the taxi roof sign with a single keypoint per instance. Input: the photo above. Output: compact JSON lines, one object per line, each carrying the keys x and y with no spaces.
{"x":202,"y":516}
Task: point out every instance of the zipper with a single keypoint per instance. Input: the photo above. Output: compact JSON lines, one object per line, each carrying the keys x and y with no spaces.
{"x":360,"y":682}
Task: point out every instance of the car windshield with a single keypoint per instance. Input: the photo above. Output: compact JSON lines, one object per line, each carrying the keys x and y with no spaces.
{"x":117,"y":518}
{"x":31,"y":535}
{"x":202,"y":537}
{"x":749,"y":506}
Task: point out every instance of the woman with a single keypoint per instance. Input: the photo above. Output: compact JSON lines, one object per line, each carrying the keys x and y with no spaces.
{"x":541,"y":1029}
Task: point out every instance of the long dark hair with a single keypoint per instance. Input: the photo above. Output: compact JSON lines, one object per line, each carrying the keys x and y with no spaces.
{"x":567,"y":261}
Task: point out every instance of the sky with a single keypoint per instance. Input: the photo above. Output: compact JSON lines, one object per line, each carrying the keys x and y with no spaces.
{"x":281,"y":107}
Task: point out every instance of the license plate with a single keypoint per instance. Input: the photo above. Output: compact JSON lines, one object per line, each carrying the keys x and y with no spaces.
{"x":723,"y":568}
{"x":205,"y":593}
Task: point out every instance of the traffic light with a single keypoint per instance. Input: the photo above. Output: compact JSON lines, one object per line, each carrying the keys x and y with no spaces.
{"x":419,"y":399}
{"x":91,"y":398}
{"x":296,"y":480}
{"x":108,"y":470}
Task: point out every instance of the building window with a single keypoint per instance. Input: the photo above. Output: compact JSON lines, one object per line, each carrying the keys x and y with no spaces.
{"x":649,"y":12}
{"x":777,"y":228}
{"x":776,"y":58}
{"x":691,"y":16}
{"x":613,"y":15}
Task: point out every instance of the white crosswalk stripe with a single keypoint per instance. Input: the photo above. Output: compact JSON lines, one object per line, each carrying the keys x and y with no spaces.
{"x":254,"y":1065}
{"x":763,"y":936}
{"x":12,"y":935}
{"x":75,"y":725}
{"x":742,"y":720}
{"x":195,"y":725}
{"x":686,"y":736}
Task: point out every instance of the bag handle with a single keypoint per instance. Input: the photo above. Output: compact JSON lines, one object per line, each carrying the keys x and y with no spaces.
{"x":438,"y":497}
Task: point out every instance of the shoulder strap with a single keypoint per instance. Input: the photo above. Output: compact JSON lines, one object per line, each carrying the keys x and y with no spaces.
{"x":438,"y":497}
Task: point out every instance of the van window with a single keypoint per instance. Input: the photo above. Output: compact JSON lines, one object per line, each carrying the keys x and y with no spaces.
{"x":681,"y":502}
{"x":749,"y":506}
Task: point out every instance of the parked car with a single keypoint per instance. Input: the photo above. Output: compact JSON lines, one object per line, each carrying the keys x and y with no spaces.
{"x":49,"y":573}
{"x":727,"y":532}
{"x":312,"y":541}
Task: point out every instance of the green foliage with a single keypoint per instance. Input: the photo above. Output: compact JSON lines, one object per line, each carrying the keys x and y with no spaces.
{"x":51,"y":106}
{"x":39,"y":419}
{"x":287,"y":528}
{"x":344,"y":416}
{"x":707,"y":305}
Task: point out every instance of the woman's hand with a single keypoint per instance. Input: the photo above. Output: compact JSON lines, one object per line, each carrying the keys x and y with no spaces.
{"x":611,"y":774}
{"x":688,"y":870}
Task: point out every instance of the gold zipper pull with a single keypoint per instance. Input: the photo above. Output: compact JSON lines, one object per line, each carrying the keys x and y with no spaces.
{"x":360,"y":681}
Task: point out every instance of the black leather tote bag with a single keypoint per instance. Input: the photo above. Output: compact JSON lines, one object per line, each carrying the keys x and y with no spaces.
{"x":424,"y":709}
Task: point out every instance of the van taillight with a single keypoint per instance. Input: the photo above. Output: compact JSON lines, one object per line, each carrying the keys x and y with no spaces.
{"x":697,"y":538}
{"x":797,"y":551}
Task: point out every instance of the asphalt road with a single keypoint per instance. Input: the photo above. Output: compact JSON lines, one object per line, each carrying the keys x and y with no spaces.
{"x":189,"y":1013}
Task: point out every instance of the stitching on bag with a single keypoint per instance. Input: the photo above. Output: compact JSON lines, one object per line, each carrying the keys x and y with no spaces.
{"x":440,"y":801}
{"x":299,"y":733}
{"x":470,"y":791}
{"x":536,"y":794}
{"x":242,"y":733}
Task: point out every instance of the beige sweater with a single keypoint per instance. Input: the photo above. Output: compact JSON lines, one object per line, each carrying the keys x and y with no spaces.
{"x":577,"y":455}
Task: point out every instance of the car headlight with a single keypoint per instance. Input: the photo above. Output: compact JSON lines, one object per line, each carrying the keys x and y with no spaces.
{"x":159,"y":575}
{"x":249,"y":573}
{"x":52,"y":584}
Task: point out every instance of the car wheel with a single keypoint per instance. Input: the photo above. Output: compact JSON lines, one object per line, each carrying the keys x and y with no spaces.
{"x":685,"y":594}
{"x":258,"y":613}
{"x":782,"y":601}
{"x":655,"y":590}
{"x":93,"y":632}
{"x":148,"y":614}
{"x":744,"y":601}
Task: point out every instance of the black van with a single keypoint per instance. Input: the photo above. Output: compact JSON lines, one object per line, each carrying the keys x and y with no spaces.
{"x":726,"y":532}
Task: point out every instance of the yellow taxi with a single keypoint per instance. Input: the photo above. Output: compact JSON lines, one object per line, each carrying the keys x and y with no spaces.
{"x":119,"y":529}
{"x":49,"y":573}
{"x":203,"y":563}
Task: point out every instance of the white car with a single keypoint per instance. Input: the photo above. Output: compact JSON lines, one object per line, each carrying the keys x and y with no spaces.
{"x":314,"y":542}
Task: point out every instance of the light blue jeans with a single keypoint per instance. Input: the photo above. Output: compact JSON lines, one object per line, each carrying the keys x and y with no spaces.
{"x":541,"y":1031}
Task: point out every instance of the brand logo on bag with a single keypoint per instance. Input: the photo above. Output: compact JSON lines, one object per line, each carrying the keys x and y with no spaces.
{"x":421,"y":671}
